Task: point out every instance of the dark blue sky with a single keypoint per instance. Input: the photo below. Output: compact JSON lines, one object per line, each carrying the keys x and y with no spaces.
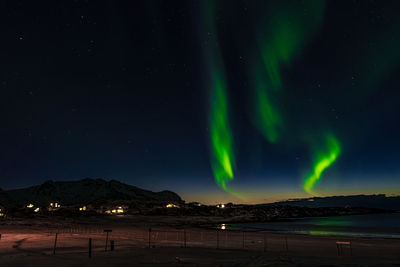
{"x":115,"y":90}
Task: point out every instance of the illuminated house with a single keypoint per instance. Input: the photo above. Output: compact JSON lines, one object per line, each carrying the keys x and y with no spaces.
{"x":54,"y":206}
{"x":171,"y":205}
{"x":84,"y":208}
{"x":116,"y":210}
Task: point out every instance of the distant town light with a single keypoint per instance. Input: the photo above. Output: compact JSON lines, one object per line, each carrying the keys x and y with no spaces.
{"x":36,"y":210}
{"x":170,"y":205}
{"x":1,"y":214}
{"x":54,"y":205}
{"x":30,"y":206}
{"x":223,"y":226}
{"x":82,"y":208}
{"x":221,"y":206}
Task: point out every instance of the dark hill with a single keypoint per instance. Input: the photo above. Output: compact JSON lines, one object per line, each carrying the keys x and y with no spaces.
{"x":380,"y":201}
{"x":84,"y":191}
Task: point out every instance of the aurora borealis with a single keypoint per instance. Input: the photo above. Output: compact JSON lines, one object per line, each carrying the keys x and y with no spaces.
{"x":221,"y":134}
{"x":219,"y":101}
{"x":323,"y":159}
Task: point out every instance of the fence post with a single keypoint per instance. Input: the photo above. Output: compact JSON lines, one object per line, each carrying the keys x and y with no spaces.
{"x":265,"y":242}
{"x":55,"y":244}
{"x":184,"y":238}
{"x":90,"y":247}
{"x":217,"y":238}
{"x":107,"y":231}
{"x":286,"y":243}
{"x":243,"y":240}
{"x":149,"y":237}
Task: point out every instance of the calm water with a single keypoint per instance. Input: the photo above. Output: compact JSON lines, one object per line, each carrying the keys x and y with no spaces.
{"x":370,"y":225}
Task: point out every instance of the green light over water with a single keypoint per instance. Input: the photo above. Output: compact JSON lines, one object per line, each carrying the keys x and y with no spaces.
{"x":324,"y":158}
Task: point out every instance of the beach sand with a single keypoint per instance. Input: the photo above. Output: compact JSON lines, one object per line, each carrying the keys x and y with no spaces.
{"x":32,"y":244}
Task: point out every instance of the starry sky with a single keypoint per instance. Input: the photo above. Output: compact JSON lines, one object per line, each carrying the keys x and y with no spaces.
{"x":150,"y":92}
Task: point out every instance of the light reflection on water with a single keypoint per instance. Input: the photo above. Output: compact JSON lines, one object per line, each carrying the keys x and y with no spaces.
{"x":371,"y":225}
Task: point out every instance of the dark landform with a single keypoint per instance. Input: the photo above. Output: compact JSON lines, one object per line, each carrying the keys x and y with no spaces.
{"x":108,"y":198}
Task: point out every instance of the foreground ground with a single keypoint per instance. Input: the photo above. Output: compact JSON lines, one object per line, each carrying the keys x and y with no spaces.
{"x":32,"y":243}
{"x":184,"y":257}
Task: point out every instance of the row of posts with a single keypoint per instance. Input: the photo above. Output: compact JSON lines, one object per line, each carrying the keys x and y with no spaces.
{"x":339,"y":244}
{"x":112,"y":244}
{"x":243,"y":240}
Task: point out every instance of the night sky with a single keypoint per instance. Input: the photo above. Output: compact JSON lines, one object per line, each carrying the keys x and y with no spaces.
{"x":218,"y":101}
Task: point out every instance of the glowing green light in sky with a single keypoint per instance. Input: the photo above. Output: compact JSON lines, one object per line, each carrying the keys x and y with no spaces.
{"x":223,"y":160}
{"x":268,"y":118}
{"x":285,"y":33}
{"x":221,"y":136}
{"x":323,"y":160}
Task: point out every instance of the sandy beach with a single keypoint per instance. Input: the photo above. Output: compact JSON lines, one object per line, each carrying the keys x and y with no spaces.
{"x":32,"y":244}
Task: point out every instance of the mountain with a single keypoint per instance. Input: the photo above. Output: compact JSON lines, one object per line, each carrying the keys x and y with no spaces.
{"x":380,"y":201}
{"x":86,"y":191}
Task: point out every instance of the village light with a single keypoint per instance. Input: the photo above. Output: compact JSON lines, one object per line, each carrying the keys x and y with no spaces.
{"x":36,"y":210}
{"x":170,"y":205}
{"x":30,"y":206}
{"x":120,"y":210}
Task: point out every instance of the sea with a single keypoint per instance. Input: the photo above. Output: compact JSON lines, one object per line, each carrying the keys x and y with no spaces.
{"x":384,"y":225}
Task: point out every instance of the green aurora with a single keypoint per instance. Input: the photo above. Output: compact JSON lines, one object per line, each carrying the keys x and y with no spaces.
{"x":323,"y":159}
{"x":222,"y":158}
{"x":285,"y":32}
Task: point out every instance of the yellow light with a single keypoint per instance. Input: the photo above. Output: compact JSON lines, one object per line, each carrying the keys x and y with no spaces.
{"x":108,"y":211}
{"x":1,"y":214}
{"x":172,"y":206}
{"x":37,"y":210}
{"x":120,"y":211}
{"x":30,"y":206}
{"x":114,"y":211}
{"x":223,"y":226}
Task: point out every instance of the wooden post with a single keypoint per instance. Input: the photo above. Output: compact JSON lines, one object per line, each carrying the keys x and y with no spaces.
{"x":107,"y":231}
{"x":105,"y":249}
{"x":55,"y":244}
{"x":265,"y":242}
{"x":184,"y":238}
{"x":243,"y":241}
{"x":217,"y":238}
{"x":149,"y":237}
{"x":90,"y":247}
{"x":286,"y":244}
